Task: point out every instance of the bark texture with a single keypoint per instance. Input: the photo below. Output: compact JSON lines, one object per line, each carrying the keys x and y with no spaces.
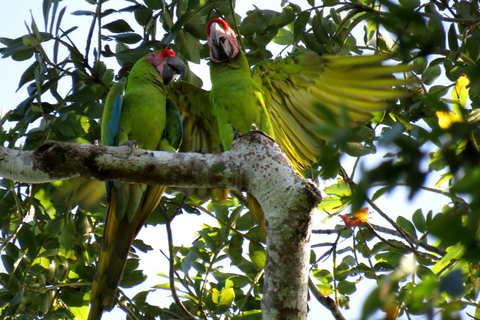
{"x":254,"y":164}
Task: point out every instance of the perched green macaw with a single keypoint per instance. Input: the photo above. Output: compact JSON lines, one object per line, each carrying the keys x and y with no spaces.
{"x":141,"y":115}
{"x":289,"y":98}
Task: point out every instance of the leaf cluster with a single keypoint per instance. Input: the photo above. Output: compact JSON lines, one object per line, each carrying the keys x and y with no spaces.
{"x":422,"y":263}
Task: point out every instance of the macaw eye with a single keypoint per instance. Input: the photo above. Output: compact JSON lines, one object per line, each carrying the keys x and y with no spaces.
{"x":222,"y":40}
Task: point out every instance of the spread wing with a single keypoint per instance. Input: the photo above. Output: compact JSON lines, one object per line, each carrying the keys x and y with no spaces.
{"x":308,"y":91}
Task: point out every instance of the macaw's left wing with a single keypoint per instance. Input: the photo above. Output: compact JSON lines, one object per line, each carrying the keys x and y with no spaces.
{"x":110,"y":120}
{"x":200,"y":128}
{"x":305,"y":91}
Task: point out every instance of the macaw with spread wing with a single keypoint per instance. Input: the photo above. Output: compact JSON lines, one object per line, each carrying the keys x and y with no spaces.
{"x":289,"y":98}
{"x":136,"y":114}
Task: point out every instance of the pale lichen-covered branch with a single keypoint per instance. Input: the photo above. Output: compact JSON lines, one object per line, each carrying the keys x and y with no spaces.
{"x":254,"y":164}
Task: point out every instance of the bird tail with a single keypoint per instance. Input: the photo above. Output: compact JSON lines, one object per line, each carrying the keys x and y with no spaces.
{"x":118,"y":237}
{"x":110,"y":266}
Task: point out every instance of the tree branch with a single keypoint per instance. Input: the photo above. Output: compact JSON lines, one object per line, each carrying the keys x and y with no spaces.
{"x":327,"y":302}
{"x":255,"y":164}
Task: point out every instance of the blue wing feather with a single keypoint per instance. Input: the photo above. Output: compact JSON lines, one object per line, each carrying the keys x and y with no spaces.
{"x":110,"y":120}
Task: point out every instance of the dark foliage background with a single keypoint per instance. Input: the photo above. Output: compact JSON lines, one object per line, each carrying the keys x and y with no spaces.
{"x":50,"y":232}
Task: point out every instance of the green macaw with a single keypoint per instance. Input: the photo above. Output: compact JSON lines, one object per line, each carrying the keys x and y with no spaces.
{"x":141,"y":115}
{"x":289,"y":98}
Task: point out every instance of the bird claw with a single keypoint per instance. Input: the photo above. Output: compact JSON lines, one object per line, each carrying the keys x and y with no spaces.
{"x":237,"y":134}
{"x":200,"y":150}
{"x":130,"y":143}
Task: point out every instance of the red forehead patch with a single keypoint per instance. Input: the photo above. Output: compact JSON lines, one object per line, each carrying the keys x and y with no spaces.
{"x":167,"y":53}
{"x":156,"y":58}
{"x":220,"y":21}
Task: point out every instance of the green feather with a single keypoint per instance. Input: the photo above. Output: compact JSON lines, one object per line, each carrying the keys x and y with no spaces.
{"x":139,"y":115}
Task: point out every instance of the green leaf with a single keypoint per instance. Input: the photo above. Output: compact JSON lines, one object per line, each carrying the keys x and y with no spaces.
{"x":189,"y":46}
{"x":55,"y":227}
{"x":282,"y":19}
{"x":133,"y":279}
{"x":431,"y":74}
{"x":155,"y":4}
{"x":452,"y":38}
{"x":406,"y":225}
{"x":245,"y":222}
{"x":410,"y":4}
{"x":18,"y":298}
{"x":339,"y":189}
{"x":453,"y":253}
{"x":371,"y":304}
{"x":188,"y":261}
{"x":28,"y":241}
{"x":323,"y":275}
{"x":83,"y":13}
{"x":424,"y":272}
{"x":300,"y":23}
{"x":333,"y":205}
{"x":88,"y":93}
{"x":319,"y":30}
{"x":392,"y":258}
{"x":380,"y":192}
{"x":453,"y":284}
{"x":235,"y":249}
{"x":257,"y":255}
{"x":283,"y":37}
{"x":419,"y":221}
{"x":335,"y":15}
{"x":345,"y":287}
{"x":129,"y":37}
{"x":118,"y":26}
{"x":28,"y":75}
{"x":312,"y":43}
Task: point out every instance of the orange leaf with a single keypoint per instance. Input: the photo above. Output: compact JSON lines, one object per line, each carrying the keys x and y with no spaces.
{"x":358,"y":218}
{"x":362,"y":214}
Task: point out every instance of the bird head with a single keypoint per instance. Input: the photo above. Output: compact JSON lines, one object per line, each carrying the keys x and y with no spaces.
{"x":221,"y":40}
{"x":169,"y":66}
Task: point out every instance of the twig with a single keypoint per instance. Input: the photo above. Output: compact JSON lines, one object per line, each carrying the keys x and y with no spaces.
{"x":327,"y":302}
{"x":329,"y":231}
{"x":14,"y":234}
{"x":404,"y":234}
{"x":411,"y":249}
{"x":58,"y":286}
{"x":172,"y":265}
{"x":232,"y":8}
{"x":222,"y":222}
{"x":415,"y":241}
{"x":124,"y":307}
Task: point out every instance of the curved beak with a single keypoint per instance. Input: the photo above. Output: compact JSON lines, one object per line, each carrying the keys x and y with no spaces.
{"x":220,"y":46}
{"x":174,"y":69}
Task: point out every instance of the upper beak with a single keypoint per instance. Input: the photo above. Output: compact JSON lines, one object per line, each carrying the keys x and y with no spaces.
{"x":221,"y":48}
{"x":174,"y":69}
